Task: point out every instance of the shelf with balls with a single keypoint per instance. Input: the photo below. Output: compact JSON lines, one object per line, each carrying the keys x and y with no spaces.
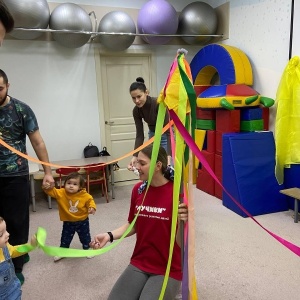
{"x":156,"y":23}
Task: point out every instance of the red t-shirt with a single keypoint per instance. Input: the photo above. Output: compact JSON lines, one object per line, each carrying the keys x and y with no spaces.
{"x":153,"y":231}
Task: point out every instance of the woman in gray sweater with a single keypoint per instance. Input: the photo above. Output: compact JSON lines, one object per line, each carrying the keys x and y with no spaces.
{"x":146,"y":109}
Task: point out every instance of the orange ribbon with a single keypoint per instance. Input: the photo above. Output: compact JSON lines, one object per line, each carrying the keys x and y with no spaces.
{"x":59,"y":166}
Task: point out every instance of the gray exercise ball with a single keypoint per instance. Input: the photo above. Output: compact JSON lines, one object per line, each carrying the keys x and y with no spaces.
{"x":118,"y":22}
{"x":29,"y":14}
{"x":197,"y":18}
{"x":69,"y":16}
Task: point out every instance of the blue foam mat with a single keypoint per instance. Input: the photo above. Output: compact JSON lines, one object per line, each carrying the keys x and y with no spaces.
{"x":248,"y":163}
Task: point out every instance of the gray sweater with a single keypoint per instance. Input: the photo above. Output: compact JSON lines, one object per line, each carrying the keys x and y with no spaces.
{"x":148,"y":112}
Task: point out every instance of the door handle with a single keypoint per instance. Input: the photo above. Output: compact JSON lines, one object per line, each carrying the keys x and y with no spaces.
{"x":109,"y":122}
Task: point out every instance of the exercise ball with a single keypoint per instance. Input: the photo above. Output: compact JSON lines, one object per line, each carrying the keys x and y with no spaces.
{"x":197,"y":18}
{"x":29,"y":14}
{"x":157,"y":17}
{"x":69,"y":16}
{"x":117,"y":21}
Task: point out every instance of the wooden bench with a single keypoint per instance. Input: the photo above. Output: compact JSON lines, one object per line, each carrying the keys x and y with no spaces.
{"x":294,"y":193}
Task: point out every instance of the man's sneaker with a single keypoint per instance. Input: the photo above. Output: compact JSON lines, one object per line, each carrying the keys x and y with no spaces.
{"x":57,"y":258}
{"x":20,"y":277}
{"x":91,"y":256}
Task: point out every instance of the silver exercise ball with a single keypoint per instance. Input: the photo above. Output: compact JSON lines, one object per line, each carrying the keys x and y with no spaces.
{"x":118,"y":22}
{"x":69,"y":16}
{"x":29,"y":14}
{"x":197,"y":18}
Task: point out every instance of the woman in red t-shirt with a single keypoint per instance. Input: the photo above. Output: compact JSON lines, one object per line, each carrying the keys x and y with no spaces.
{"x":143,"y":278}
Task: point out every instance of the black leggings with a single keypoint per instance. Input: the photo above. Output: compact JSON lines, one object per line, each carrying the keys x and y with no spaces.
{"x":134,"y":284}
{"x":14,"y":208}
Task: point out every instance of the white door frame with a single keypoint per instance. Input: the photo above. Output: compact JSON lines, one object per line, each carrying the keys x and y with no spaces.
{"x":130,"y":53}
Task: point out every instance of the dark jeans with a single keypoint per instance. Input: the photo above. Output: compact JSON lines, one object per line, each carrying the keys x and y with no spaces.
{"x":83,"y":230}
{"x":14,"y":208}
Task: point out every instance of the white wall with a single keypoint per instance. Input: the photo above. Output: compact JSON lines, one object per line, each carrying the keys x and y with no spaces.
{"x":60,"y":86}
{"x":165,"y":55}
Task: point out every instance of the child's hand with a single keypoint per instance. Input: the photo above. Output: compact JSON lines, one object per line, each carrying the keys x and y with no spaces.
{"x":132,"y":163}
{"x":92,"y":211}
{"x":33,"y":241}
{"x":46,"y":186}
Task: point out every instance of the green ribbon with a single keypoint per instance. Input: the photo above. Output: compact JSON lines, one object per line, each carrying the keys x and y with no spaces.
{"x":25,"y":248}
{"x":192,"y":98}
{"x":41,"y":236}
{"x":181,"y":154}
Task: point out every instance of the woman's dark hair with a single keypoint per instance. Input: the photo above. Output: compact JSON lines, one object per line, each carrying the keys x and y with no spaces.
{"x":6,"y":18}
{"x":162,"y":156}
{"x":76,"y":175}
{"x":139,"y":84}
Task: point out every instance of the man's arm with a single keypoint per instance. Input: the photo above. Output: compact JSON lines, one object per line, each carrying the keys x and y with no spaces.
{"x":40,"y":149}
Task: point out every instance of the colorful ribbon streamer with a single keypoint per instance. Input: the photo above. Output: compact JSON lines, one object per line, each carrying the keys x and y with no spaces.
{"x":178,"y":95}
{"x":30,"y":158}
{"x":294,"y":248}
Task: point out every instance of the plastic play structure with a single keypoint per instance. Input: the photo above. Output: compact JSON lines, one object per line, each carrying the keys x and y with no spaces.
{"x":232,"y":131}
{"x":235,"y":73}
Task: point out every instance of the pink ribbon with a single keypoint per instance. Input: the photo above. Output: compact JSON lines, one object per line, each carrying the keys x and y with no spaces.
{"x":190,"y":142}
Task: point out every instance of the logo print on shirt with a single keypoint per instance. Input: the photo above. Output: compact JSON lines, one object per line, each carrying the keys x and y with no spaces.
{"x":73,"y":208}
{"x":158,"y":210}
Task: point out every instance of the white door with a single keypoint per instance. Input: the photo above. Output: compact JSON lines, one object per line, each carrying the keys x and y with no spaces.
{"x":117,"y":74}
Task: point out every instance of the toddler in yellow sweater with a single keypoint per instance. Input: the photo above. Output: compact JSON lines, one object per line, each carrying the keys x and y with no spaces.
{"x":10,"y":285}
{"x":74,"y":206}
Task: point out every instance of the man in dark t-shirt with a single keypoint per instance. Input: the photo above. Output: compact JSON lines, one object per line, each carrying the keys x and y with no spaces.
{"x":17,"y":120}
